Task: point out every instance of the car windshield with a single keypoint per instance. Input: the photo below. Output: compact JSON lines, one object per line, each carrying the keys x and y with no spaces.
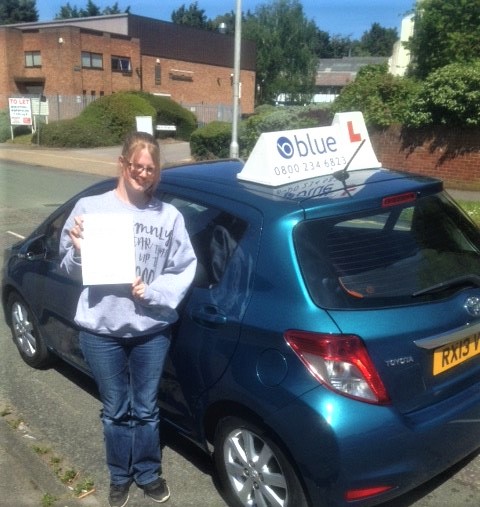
{"x":397,"y":255}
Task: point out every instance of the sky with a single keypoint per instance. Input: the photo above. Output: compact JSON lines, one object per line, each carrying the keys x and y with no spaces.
{"x":347,"y":18}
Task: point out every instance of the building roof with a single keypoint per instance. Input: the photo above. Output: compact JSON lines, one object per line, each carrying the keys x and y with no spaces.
{"x":162,"y":38}
{"x":341,"y":71}
{"x":349,"y":64}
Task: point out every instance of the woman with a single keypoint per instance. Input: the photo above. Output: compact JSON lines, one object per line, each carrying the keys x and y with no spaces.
{"x":125,"y":328}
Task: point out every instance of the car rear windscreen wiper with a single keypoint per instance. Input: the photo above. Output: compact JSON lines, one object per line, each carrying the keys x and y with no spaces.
{"x":459,"y":281}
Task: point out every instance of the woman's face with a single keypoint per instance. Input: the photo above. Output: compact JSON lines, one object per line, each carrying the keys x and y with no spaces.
{"x":140,"y":173}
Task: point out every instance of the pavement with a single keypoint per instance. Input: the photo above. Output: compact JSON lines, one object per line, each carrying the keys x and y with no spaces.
{"x":26,"y":480}
{"x":101,"y":161}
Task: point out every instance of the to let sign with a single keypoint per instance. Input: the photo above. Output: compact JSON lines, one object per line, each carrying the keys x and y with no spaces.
{"x":20,"y":111}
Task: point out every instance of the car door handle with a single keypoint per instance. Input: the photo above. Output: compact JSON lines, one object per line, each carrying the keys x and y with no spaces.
{"x":208,"y":315}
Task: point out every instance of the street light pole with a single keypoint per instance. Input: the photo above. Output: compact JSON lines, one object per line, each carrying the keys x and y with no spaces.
{"x":234,"y":151}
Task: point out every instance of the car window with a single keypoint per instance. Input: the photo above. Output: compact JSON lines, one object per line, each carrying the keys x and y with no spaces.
{"x":392,"y":256}
{"x":214,"y":234}
{"x":53,"y":233}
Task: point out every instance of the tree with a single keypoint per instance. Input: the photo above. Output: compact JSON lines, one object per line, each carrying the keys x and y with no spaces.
{"x":68,"y":12}
{"x":17,"y":11}
{"x":193,"y":16}
{"x":446,"y":31}
{"x":383,"y":98}
{"x":378,"y":41}
{"x":91,"y":9}
{"x":449,"y":96}
{"x":286,"y":59}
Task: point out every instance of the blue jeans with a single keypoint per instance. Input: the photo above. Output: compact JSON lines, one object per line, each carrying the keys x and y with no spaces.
{"x":127,"y":372}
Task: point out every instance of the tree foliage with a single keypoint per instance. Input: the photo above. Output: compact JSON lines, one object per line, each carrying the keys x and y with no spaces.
{"x":449,"y":96}
{"x":18,"y":11}
{"x":286,"y":59}
{"x":384,"y":99}
{"x":68,"y":11}
{"x":378,"y":41}
{"x":446,"y":31}
{"x":191,"y":16}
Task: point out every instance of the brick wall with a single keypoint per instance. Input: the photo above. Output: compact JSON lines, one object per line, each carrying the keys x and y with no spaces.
{"x":195,"y":83}
{"x":451,"y":154}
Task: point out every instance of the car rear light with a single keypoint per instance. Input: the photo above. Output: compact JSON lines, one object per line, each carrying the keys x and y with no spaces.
{"x":395,"y":200}
{"x":360,"y":494}
{"x":341,"y":363}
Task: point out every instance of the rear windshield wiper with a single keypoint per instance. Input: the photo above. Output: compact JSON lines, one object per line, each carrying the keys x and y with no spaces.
{"x":459,"y":281}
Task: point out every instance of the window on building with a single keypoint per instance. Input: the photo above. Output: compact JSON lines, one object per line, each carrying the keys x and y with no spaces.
{"x":121,"y":64}
{"x":92,"y":60}
{"x":158,"y":74}
{"x":33,"y":59}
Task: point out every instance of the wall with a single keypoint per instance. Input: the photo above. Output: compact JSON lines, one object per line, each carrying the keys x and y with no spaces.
{"x":196,"y":83}
{"x":451,"y":154}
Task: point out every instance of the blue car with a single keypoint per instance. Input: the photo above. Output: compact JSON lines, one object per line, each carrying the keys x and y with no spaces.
{"x":328,"y":352}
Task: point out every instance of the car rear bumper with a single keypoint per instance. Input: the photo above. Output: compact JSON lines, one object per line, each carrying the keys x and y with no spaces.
{"x":336,"y":453}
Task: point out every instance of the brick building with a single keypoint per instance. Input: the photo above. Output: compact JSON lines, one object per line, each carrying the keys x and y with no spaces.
{"x":90,"y":57}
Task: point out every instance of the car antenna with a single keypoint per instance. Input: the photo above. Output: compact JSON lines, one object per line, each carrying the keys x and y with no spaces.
{"x":342,"y":175}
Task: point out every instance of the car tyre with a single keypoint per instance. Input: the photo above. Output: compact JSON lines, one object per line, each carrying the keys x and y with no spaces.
{"x":26,"y":333}
{"x":252,"y":468}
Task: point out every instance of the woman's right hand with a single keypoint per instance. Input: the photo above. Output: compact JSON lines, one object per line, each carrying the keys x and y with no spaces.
{"x":76,"y":233}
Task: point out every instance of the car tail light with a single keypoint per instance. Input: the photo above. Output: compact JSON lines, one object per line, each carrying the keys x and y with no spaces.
{"x":341,"y":363}
{"x":395,"y":200}
{"x":360,"y":494}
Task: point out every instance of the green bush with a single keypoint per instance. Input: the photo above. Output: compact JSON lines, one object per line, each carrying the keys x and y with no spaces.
{"x":272,"y":119}
{"x":107,"y":120}
{"x":117,"y":112}
{"x":75,"y":133}
{"x":383,"y":99}
{"x":169,"y":112}
{"x":449,"y":96}
{"x":211,"y":141}
{"x":104,"y":122}
{"x":5,"y":133}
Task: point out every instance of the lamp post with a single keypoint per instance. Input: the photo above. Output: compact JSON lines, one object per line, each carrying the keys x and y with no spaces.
{"x":234,"y":151}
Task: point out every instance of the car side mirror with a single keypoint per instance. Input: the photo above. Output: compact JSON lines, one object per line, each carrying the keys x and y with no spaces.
{"x":35,"y":250}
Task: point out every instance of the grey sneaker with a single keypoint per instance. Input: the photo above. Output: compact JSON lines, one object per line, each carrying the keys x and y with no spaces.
{"x":118,"y":496}
{"x":157,"y":490}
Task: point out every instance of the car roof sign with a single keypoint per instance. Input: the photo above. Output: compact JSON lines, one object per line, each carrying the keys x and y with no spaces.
{"x":293,"y":155}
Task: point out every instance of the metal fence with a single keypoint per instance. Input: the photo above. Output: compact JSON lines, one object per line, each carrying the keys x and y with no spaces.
{"x":62,"y":107}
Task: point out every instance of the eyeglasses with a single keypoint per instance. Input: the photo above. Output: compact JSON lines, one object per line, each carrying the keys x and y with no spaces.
{"x":138,"y":168}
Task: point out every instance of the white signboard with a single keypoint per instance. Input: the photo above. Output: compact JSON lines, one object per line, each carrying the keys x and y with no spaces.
{"x":20,"y":111}
{"x":144,"y":124}
{"x":280,"y":158}
{"x":108,"y":249}
{"x":40,"y":107}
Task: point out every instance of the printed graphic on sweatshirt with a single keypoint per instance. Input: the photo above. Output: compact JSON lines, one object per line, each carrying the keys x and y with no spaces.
{"x":152,"y":244}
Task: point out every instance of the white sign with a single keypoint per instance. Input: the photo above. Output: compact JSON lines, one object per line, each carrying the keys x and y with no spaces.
{"x":108,"y":249}
{"x":144,"y":124}
{"x":280,"y":158}
{"x":20,"y":111}
{"x":39,"y":107}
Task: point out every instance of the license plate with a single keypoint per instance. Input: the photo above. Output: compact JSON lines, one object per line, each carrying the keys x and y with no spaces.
{"x":455,"y":353}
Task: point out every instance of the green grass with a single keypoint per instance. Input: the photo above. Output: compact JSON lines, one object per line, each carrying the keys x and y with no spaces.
{"x":472,"y":208}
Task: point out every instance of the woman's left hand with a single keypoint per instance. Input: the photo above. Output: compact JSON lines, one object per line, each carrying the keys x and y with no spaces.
{"x":138,"y":288}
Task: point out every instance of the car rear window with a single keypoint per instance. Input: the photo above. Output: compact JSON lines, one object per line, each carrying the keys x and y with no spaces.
{"x":398,"y":255}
